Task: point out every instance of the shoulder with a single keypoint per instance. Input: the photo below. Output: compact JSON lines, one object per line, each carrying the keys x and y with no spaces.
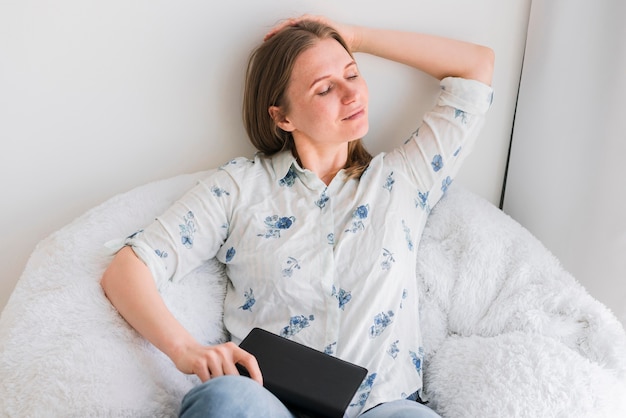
{"x":238,"y":168}
{"x":247,"y":171}
{"x":237,"y":164}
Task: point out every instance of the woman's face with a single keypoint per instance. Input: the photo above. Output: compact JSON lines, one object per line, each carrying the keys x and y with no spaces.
{"x":327,"y":98}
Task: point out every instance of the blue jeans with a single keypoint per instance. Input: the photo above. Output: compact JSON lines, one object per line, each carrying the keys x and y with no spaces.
{"x":237,"y":396}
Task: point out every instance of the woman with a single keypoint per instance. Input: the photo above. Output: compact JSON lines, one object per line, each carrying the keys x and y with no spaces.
{"x":318,"y":237}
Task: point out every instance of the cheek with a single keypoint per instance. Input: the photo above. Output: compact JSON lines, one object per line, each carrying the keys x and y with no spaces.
{"x":324,"y":113}
{"x":315,"y":115}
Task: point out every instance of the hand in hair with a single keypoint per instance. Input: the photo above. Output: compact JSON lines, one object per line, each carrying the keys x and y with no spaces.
{"x":349,"y":33}
{"x":435,"y":55}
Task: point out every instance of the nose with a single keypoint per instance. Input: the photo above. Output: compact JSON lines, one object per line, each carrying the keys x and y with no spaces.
{"x":350,"y":93}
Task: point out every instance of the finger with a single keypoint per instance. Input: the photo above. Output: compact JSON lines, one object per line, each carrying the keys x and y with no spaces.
{"x":248,"y":361}
{"x":216,"y":371}
{"x":202,"y":371}
{"x":294,"y":21}
{"x":203,"y":374}
{"x":215,"y":363}
{"x":230,"y":368}
{"x":282,"y":25}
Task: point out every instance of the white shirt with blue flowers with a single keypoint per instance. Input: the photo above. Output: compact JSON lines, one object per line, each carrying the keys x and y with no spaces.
{"x":333,"y":266}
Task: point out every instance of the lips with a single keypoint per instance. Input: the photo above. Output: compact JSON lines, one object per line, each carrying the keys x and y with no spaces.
{"x":355,"y":115}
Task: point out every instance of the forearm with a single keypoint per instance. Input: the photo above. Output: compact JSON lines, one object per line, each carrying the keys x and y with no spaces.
{"x":438,"y":56}
{"x":129,"y":285}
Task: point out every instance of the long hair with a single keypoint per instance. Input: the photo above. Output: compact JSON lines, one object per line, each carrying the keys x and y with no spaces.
{"x":267,"y":78}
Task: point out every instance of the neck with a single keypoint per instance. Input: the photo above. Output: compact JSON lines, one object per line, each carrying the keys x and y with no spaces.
{"x":325,"y":163}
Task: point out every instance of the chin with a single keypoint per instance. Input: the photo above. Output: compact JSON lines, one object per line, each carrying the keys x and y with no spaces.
{"x":362,"y":132}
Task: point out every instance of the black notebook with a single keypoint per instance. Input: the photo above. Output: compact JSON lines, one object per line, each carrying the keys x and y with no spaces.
{"x":303,"y":378}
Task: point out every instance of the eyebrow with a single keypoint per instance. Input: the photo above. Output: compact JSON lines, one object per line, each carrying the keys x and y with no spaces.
{"x":317,"y":80}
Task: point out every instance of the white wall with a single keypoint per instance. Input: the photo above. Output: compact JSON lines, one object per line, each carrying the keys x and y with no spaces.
{"x":566,"y":178}
{"x":97,"y":97}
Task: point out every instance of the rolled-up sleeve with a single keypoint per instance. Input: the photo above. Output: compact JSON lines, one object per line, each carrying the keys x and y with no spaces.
{"x":434,"y":152}
{"x":189,"y":233}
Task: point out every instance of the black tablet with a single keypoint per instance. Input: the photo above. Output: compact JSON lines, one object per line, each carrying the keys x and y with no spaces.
{"x":304,"y":379}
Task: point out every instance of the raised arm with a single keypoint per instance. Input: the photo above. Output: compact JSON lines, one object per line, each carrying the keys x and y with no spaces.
{"x":438,"y":56}
{"x":435,"y":55}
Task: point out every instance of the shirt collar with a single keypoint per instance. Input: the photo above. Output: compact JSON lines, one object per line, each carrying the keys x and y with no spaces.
{"x":282,"y":162}
{"x":287,"y":168}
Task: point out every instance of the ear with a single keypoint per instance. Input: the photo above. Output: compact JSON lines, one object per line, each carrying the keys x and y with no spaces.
{"x":279,"y":119}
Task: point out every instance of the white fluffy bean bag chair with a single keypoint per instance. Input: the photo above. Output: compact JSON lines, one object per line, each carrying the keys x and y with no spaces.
{"x":508,"y":333}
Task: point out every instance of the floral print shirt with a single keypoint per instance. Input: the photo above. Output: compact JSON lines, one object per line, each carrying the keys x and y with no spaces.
{"x":331,"y":266}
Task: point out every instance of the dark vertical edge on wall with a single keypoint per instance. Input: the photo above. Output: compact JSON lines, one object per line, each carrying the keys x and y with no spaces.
{"x":508,"y":156}
{"x":519,"y":84}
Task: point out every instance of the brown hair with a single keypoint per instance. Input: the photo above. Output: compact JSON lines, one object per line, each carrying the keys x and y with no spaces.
{"x":267,"y":77}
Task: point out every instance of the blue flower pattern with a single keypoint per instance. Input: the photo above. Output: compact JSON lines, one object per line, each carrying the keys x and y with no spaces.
{"x":289,"y":179}
{"x":296,"y":324}
{"x":330,"y":349}
{"x":437,"y":163}
{"x":330,"y":238}
{"x":219,"y":192}
{"x":388,"y":259}
{"x":321,"y":202}
{"x":389,"y":182}
{"x":160,"y":253}
{"x":187,"y":230}
{"x":407,"y":236}
{"x":290,"y":265}
{"x":230,"y":253}
{"x":343,"y":297}
{"x":358,"y":216}
{"x":249,"y":301}
{"x":274,"y":224}
{"x":422,"y":201}
{"x":445,"y":183}
{"x":364,"y":390}
{"x":231,"y":162}
{"x":417,"y":359}
{"x":413,"y":135}
{"x":458,"y":113}
{"x":393,"y":349}
{"x":135,"y":234}
{"x":381,"y":322}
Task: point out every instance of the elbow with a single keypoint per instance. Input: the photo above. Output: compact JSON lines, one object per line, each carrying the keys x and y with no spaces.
{"x":111,"y":277}
{"x":105,"y":282}
{"x":483,"y":65}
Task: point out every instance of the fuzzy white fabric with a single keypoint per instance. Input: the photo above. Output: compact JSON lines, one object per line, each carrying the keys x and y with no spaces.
{"x":508,"y":332}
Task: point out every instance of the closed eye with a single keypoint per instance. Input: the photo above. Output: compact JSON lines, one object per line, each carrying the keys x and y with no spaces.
{"x":330,"y":86}
{"x":325,"y":91}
